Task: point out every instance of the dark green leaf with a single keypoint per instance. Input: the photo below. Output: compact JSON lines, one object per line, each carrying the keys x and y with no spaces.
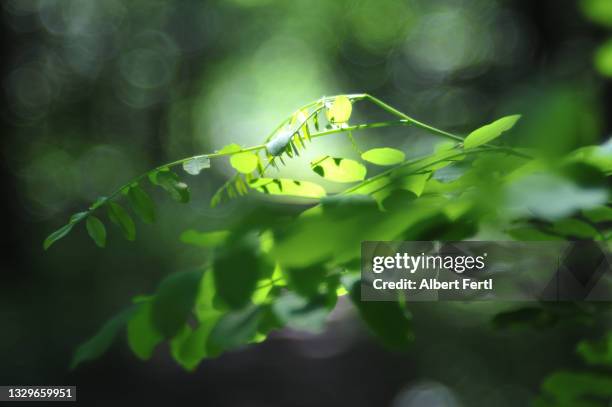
{"x":96,"y":230}
{"x":300,"y":313}
{"x":57,"y":235}
{"x":234,"y":329}
{"x":597,"y":352}
{"x":389,"y":321}
{"x":575,"y":228}
{"x":174,"y":302}
{"x":122,"y":219}
{"x":179,"y":191}
{"x":305,"y":281}
{"x":599,"y":214}
{"x":141,"y":203}
{"x":97,"y":345}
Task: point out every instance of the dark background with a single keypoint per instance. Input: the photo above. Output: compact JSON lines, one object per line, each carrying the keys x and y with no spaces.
{"x":52,"y":301}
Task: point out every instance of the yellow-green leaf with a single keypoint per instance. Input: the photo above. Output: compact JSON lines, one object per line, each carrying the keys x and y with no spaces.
{"x":340,"y":110}
{"x":283,"y":186}
{"x":338,"y":169}
{"x":490,"y":132}
{"x":383,"y":156}
{"x":245,"y":162}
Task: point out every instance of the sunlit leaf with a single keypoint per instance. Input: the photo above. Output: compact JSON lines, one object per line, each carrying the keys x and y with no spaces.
{"x":142,"y":336}
{"x":490,"y":132}
{"x":188,"y":348}
{"x":119,"y":216}
{"x":196,"y":165}
{"x":100,"y":343}
{"x":338,"y":169}
{"x":204,"y":239}
{"x":340,"y":110}
{"x":174,"y":301}
{"x":245,"y":162}
{"x":230,"y":148}
{"x":283,"y":186}
{"x":384,"y":156}
{"x":96,"y":230}
{"x":599,"y":11}
{"x":141,"y":203}
{"x":597,"y":352}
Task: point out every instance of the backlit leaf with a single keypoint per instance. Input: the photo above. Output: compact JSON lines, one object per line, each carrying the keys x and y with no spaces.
{"x":245,"y":162}
{"x":204,"y":239}
{"x":490,"y":132}
{"x":283,"y":186}
{"x":383,"y":156}
{"x":142,"y":336}
{"x":340,"y":110}
{"x":338,"y":169}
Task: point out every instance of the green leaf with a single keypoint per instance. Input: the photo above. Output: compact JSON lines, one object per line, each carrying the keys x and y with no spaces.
{"x":174,"y":302}
{"x":141,"y":203}
{"x":122,"y":219}
{"x":302,"y":314}
{"x":142,"y":336}
{"x":237,"y":268}
{"x":100,"y":343}
{"x":490,"y":132}
{"x":535,"y":317}
{"x":599,"y":214}
{"x":527,"y":234}
{"x":195,"y":165}
{"x":245,"y":162}
{"x":96,"y":230}
{"x":57,"y":235}
{"x":188,"y":348}
{"x":597,"y":352}
{"x":575,"y":228}
{"x":234,"y":329}
{"x":179,"y":191}
{"x":230,"y":148}
{"x":603,"y":59}
{"x":204,"y":239}
{"x":340,"y":110}
{"x":599,"y":11}
{"x":383,"y":156}
{"x":338,"y":169}
{"x":389,"y":321}
{"x":283,"y":186}
{"x":577,"y":388}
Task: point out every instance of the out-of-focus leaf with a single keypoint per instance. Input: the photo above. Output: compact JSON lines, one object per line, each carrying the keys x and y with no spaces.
{"x":528,"y":234}
{"x":122,"y":219}
{"x":490,"y":132}
{"x":575,"y":228}
{"x":189,"y":347}
{"x":338,"y":169}
{"x":100,"y":343}
{"x":599,"y":11}
{"x":204,"y":239}
{"x":596,"y":156}
{"x":282,"y":186}
{"x":174,"y":301}
{"x":340,"y":110}
{"x":383,"y":156}
{"x":305,"y":281}
{"x":599,"y":214}
{"x":597,"y":352}
{"x":234,"y":329}
{"x":565,"y":388}
{"x":179,"y":191}
{"x":389,"y":321}
{"x":603,"y":59}
{"x":245,"y":162}
{"x":196,"y":165}
{"x":141,"y":203}
{"x":534,"y":317}
{"x":237,"y":267}
{"x":300,"y":313}
{"x":96,"y":230}
{"x":142,"y":336}
{"x":230,"y":148}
